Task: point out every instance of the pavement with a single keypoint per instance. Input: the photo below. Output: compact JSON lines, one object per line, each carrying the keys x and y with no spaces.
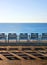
{"x":14,"y":55}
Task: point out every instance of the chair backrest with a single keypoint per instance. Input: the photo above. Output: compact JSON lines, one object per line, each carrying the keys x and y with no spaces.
{"x":34,"y":36}
{"x":23,"y":36}
{"x":12,"y":36}
{"x":2,"y":36}
{"x":44,"y":36}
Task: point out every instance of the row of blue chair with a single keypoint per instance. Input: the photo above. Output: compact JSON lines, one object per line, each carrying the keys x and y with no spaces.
{"x":23,"y":36}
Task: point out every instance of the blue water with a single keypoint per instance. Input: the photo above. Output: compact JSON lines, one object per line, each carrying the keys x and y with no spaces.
{"x":23,"y":27}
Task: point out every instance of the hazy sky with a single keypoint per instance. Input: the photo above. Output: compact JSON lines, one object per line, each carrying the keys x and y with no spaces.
{"x":23,"y":10}
{"x":23,"y":28}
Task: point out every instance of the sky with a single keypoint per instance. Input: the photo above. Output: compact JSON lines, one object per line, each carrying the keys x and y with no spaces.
{"x":23,"y":28}
{"x":23,"y":10}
